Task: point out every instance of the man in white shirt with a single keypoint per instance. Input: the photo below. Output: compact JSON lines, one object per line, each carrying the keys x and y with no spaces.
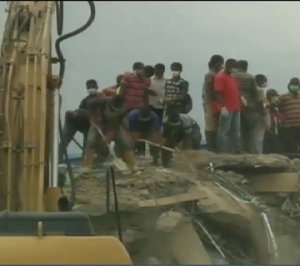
{"x":158,"y":85}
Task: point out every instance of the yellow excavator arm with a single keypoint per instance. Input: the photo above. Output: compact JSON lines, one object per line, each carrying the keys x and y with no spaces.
{"x":29,"y":125}
{"x":30,"y":104}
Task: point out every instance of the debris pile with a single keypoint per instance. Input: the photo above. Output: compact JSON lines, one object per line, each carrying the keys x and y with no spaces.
{"x":208,"y":209}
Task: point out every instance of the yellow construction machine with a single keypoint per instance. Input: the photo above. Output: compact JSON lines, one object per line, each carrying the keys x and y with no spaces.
{"x":36,"y":225}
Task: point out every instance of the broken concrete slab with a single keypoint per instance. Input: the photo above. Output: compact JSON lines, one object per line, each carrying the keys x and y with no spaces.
{"x":277,"y":182}
{"x":238,"y":216}
{"x":202,"y":159}
{"x":144,"y":198}
{"x":186,"y":246}
{"x":186,"y":197}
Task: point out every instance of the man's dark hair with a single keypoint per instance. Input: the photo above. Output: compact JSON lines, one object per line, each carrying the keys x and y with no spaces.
{"x":119,"y":78}
{"x":174,"y":117}
{"x":148,"y":71}
{"x":145,"y":111}
{"x":242,"y":64}
{"x":260,"y":77}
{"x":177,"y":65}
{"x":231,"y":62}
{"x":216,"y":59}
{"x":137,"y":65}
{"x":271,"y":93}
{"x":160,"y":67}
{"x":294,"y":80}
{"x":91,"y":84}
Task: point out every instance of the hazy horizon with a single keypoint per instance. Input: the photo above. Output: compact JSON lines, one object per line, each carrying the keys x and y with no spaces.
{"x":189,"y":32}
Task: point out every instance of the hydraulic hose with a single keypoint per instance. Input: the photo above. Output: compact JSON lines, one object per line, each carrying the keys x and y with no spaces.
{"x":61,"y":61}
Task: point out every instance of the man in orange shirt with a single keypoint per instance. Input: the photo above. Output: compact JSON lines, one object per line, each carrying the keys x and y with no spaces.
{"x":112,"y":90}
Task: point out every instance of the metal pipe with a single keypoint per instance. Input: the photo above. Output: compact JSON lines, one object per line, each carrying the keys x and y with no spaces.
{"x":53,"y":182}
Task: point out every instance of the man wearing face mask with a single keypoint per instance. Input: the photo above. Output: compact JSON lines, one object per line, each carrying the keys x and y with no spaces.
{"x":135,"y":87}
{"x":78,"y":120}
{"x":158,"y":83}
{"x":275,"y":117}
{"x":260,"y":126}
{"x":145,"y":124}
{"x":177,"y":98}
{"x":228,"y":96}
{"x":112,"y":121}
{"x":290,"y":106}
{"x":179,"y":128}
{"x":210,"y":106}
{"x":91,"y":88}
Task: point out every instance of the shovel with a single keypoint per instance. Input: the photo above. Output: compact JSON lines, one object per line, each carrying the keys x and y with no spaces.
{"x":112,"y":158}
{"x":178,"y":151}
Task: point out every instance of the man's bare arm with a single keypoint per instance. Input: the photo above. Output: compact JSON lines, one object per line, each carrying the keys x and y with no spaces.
{"x":254,"y":91}
{"x":209,"y":85}
{"x":123,"y":88}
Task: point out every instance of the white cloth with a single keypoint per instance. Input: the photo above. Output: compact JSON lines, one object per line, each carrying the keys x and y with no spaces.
{"x":158,"y":85}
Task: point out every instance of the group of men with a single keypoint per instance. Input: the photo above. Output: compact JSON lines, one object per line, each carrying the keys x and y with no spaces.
{"x":143,"y":105}
{"x":243,"y":116}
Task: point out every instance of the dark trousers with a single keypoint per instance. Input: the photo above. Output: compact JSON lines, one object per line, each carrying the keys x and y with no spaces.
{"x":271,"y":143}
{"x":139,"y":147}
{"x":159,"y":112}
{"x":71,"y":126}
{"x":290,"y":139}
{"x":249,"y":119}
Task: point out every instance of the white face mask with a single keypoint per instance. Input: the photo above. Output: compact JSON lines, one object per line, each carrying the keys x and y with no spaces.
{"x":275,"y":99}
{"x":92,"y":91}
{"x":234,"y":70}
{"x":138,"y":72}
{"x":294,"y":88}
{"x":175,"y":73}
{"x":264,"y":85}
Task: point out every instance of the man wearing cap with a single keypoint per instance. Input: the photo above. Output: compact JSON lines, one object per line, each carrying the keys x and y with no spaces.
{"x":145,"y":124}
{"x":78,"y":120}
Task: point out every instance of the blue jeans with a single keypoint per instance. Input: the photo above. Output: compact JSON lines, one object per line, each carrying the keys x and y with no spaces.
{"x":229,"y":129}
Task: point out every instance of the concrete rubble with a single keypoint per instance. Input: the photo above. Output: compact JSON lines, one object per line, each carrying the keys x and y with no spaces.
{"x":207,"y":209}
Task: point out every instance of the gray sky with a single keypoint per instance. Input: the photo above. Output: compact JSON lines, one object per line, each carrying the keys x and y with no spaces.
{"x":264,"y":33}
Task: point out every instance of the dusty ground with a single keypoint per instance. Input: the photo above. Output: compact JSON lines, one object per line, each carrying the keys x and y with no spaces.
{"x":204,"y":195}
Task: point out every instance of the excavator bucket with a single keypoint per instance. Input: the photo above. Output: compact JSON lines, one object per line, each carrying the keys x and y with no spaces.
{"x":63,"y":250}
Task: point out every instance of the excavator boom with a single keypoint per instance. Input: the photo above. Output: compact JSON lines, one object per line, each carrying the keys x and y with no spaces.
{"x":26,"y":105}
{"x":29,"y":125}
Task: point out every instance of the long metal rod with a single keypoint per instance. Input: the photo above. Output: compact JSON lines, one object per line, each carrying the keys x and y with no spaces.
{"x":54,"y":177}
{"x":118,"y":218}
{"x":107,"y":201}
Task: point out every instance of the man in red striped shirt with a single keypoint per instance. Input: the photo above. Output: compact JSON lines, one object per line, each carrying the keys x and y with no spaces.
{"x":228,"y":96}
{"x":134,"y":87}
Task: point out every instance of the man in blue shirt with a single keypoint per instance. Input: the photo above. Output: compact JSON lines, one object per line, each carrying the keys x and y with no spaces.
{"x":145,"y":124}
{"x":180,"y":128}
